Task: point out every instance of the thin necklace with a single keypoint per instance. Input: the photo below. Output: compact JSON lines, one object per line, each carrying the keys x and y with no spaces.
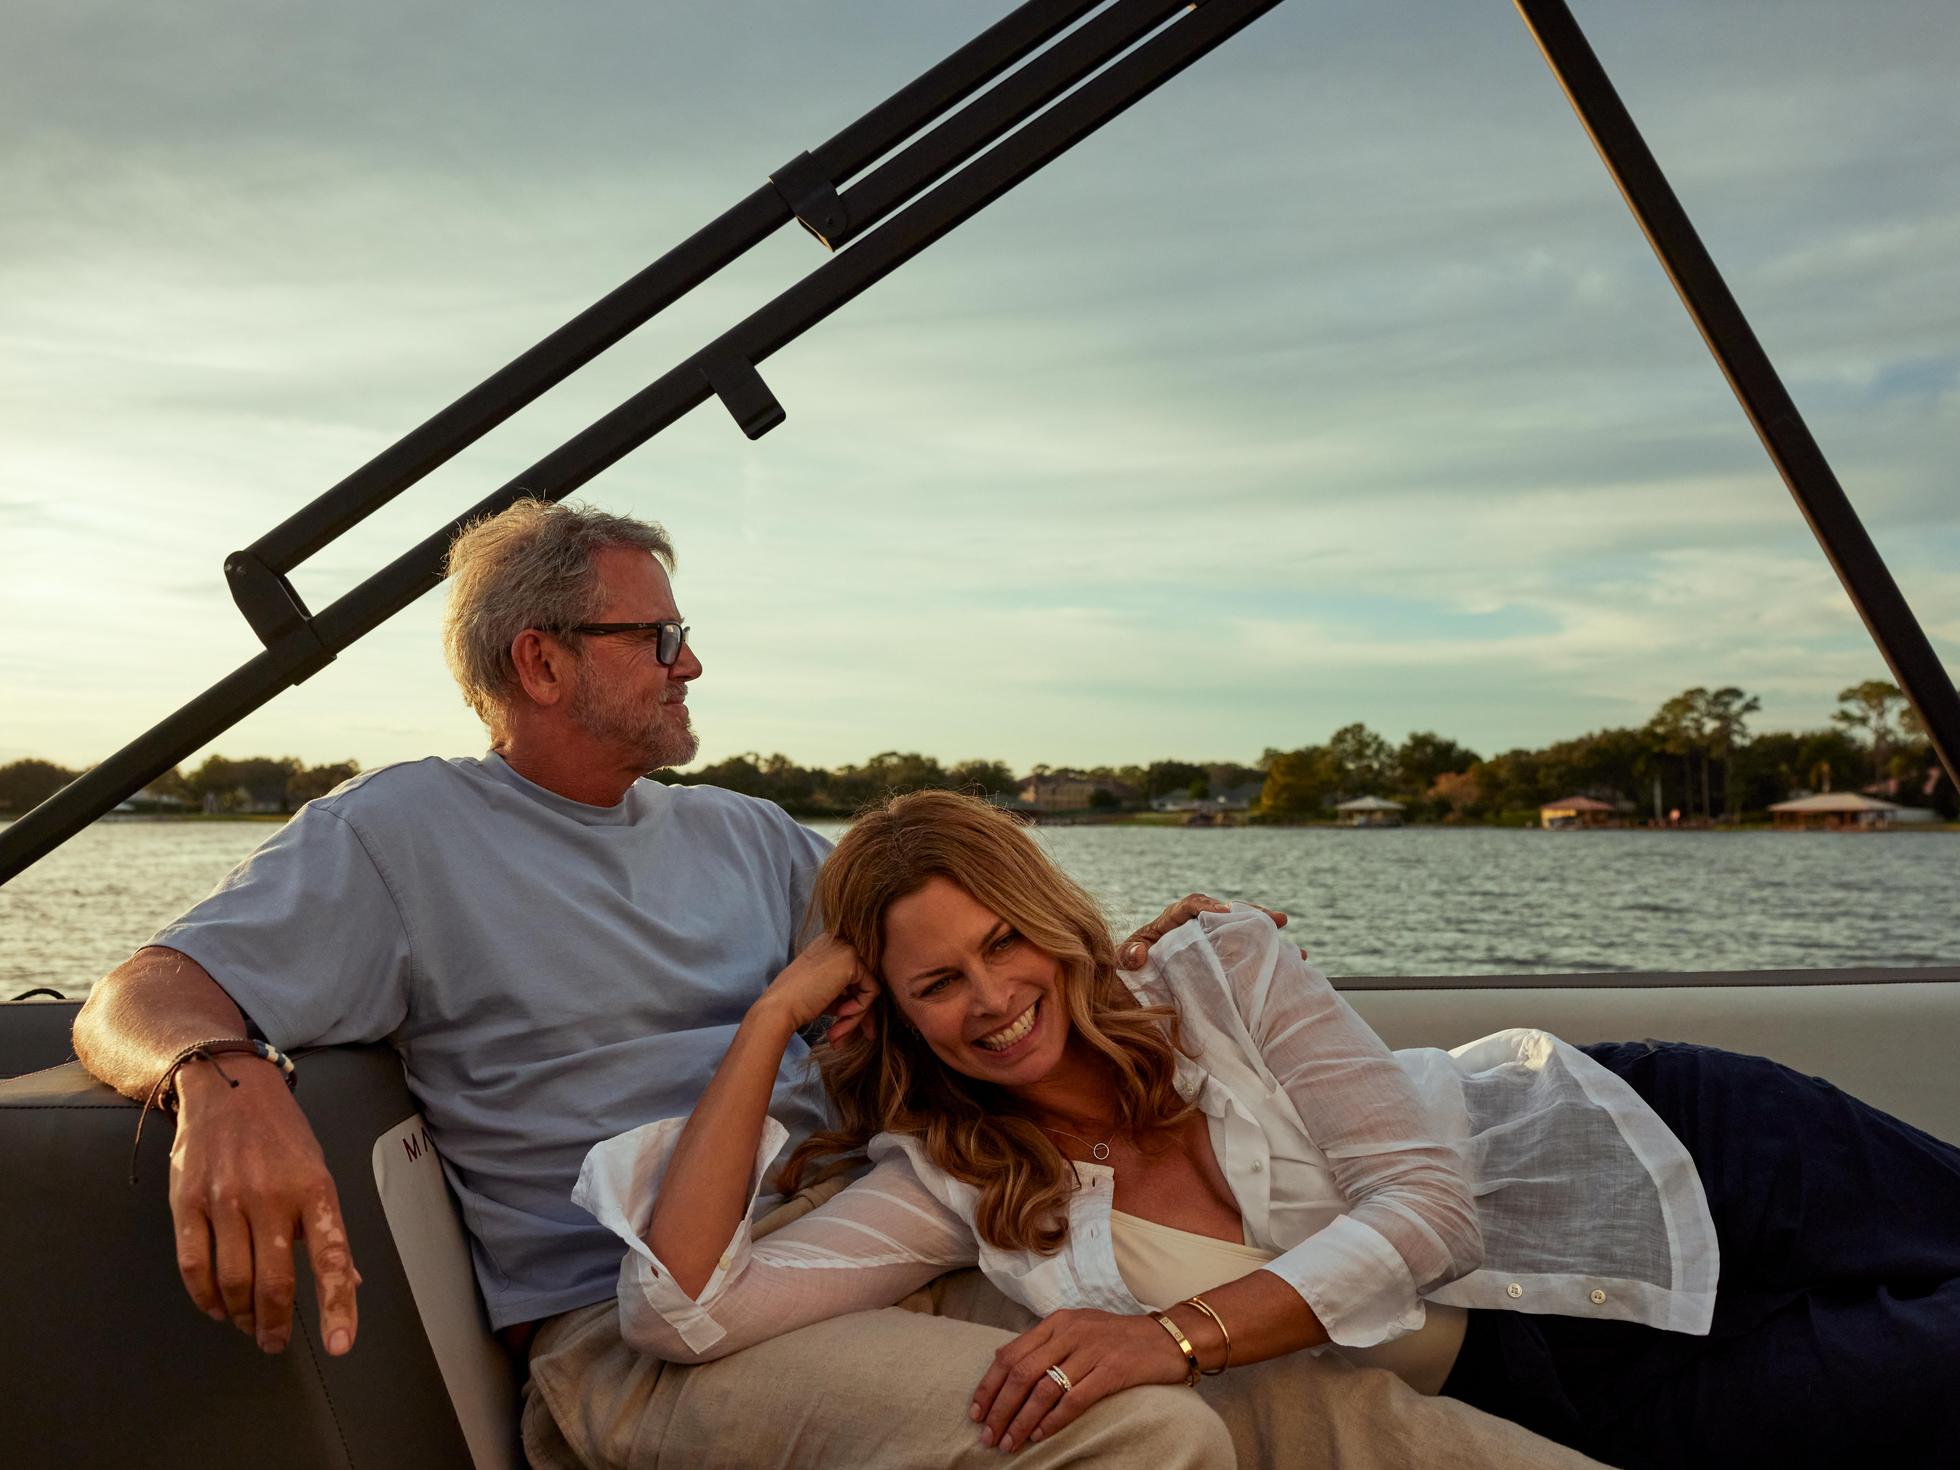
{"x":1097,"y":1151}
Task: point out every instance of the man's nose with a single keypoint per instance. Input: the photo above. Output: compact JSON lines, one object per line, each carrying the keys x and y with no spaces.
{"x":687,"y":667}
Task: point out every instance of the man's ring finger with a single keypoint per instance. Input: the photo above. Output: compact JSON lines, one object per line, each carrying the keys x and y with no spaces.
{"x":1060,"y":1377}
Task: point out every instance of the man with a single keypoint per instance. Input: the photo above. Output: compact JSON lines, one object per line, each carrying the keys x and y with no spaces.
{"x":560,"y":950}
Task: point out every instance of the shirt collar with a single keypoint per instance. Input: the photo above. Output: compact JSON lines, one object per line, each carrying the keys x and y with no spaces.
{"x":621,"y":813}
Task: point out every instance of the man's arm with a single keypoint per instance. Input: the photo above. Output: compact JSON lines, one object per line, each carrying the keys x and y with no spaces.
{"x":145,"y":1011}
{"x":1132,"y":952}
{"x":247,"y":1177}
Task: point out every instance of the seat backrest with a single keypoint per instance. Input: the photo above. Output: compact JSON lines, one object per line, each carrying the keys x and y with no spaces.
{"x":427,"y":1230}
{"x":34,"y":1035}
{"x":1891,"y":1042}
{"x":106,"y":1362}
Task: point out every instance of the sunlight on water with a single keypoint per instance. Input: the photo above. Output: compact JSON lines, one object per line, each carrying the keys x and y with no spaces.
{"x":1408,"y":902}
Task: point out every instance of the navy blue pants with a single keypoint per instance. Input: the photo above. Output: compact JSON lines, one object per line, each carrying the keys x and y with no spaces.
{"x":1836,"y":1337}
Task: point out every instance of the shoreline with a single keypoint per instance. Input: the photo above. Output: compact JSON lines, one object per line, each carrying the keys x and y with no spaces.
{"x":1703,"y":829}
{"x":1161,"y":820}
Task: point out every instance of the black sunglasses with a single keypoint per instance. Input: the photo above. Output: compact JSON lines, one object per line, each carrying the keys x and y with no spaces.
{"x":666,"y":648}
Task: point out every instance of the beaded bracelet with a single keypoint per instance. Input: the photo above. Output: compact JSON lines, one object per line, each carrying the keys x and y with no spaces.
{"x":164,"y":1095}
{"x":1193,"y":1371}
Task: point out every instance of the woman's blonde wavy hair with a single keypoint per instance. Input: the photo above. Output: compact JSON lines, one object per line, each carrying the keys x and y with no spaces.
{"x":891,"y":1081}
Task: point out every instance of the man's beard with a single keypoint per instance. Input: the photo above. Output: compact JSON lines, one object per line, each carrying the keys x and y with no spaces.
{"x":659,"y":736}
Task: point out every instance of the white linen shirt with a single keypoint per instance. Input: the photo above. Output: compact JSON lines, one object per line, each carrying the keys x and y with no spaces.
{"x":1514,"y":1172}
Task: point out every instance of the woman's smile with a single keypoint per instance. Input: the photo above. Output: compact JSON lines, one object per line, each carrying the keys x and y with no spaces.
{"x":1013,"y":1038}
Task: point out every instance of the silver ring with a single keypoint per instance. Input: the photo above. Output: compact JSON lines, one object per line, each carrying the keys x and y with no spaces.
{"x":1060,"y":1377}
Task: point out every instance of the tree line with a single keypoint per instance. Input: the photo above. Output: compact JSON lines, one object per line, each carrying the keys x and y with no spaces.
{"x":221,"y":784}
{"x":842,"y":790}
{"x":1697,"y":752}
{"x":1695,"y":759}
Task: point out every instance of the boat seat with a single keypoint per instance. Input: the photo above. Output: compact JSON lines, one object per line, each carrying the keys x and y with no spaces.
{"x":423,"y":1222}
{"x":109,"y":1364}
{"x":426,"y":1228}
{"x":34,"y":1034}
{"x":1894,"y":1043}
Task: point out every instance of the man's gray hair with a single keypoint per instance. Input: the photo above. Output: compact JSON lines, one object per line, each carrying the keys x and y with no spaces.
{"x":531,"y":566}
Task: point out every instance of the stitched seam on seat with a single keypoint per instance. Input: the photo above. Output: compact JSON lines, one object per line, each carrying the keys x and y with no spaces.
{"x":302,"y":1331}
{"x":43,"y":1071}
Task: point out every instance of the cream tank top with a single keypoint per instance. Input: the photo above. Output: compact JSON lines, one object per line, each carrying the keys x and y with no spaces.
{"x":1162,"y":1266}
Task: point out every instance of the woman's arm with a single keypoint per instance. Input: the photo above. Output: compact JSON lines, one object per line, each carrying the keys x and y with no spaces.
{"x":705,"y":1189}
{"x":1412,"y":1224}
{"x":704,"y":1194}
{"x":882,"y":1237}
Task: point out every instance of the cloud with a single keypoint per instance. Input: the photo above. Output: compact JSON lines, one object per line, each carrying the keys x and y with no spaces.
{"x":1332,"y":382}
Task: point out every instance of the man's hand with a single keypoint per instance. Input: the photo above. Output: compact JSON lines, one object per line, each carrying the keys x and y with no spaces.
{"x":1133,"y":950}
{"x":247,"y":1180}
{"x":1101,"y":1353}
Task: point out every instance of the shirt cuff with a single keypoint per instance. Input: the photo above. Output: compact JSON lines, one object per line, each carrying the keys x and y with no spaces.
{"x":1356,"y":1282}
{"x":617,"y":1186}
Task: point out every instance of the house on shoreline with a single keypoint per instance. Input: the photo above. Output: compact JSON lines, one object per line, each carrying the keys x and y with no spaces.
{"x":1574,"y":812}
{"x":1212,"y":810}
{"x":1071,"y":791}
{"x":152,"y":802}
{"x":1370,"y":811}
{"x":1845,"y":811}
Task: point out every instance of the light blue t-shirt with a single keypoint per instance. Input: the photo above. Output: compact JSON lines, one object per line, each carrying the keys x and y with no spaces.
{"x":552,"y":973}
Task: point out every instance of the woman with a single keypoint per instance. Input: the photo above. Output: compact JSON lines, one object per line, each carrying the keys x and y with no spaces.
{"x":1215,"y":1162}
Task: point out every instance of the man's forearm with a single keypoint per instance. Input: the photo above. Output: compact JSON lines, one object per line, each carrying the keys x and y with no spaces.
{"x":247,"y":1179}
{"x":144,"y":1012}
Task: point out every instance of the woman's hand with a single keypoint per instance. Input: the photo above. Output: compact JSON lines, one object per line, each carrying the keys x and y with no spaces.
{"x":829,"y":979}
{"x":1101,"y":1353}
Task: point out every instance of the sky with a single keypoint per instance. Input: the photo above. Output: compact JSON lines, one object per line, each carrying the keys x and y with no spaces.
{"x":1333,"y":382}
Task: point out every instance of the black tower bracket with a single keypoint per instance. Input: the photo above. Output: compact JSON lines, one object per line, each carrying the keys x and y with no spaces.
{"x":814,"y":200}
{"x":274,"y":609}
{"x":743,"y":393}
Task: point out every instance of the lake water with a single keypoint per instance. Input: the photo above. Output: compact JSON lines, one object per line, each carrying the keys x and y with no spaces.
{"x":1413,"y":901}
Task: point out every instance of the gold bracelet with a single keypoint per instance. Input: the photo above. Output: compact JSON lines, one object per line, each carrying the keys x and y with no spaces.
{"x":1184,"y":1346}
{"x":1202,"y":1305}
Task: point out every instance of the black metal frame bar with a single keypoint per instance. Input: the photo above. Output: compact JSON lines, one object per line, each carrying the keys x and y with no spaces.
{"x":806,"y":189}
{"x":1826,"y":508}
{"x":632,"y":304}
{"x":298,"y":644}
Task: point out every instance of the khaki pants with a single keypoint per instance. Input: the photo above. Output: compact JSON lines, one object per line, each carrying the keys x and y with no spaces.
{"x":891,"y":1388}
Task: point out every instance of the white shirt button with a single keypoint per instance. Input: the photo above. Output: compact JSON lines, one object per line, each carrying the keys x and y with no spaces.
{"x":1598,"y":1297}
{"x":1514,"y":1291}
{"x":1257,"y":1165}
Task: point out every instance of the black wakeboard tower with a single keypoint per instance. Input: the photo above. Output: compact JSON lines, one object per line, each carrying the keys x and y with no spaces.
{"x":1028,"y":106}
